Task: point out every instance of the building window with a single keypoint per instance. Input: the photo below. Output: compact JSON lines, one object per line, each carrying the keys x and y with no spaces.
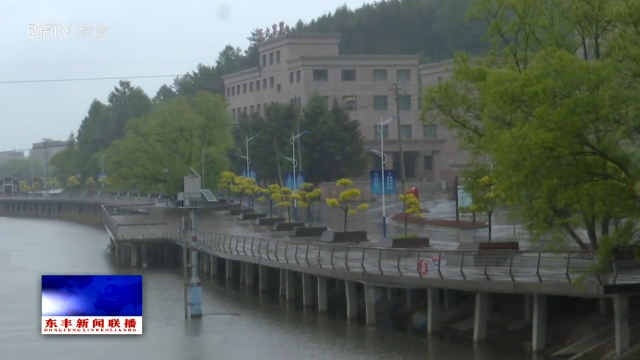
{"x":233,"y":112}
{"x":264,"y":60}
{"x":428,"y":162}
{"x":265,"y":108}
{"x":350,"y":102}
{"x":290,"y":78}
{"x":258,"y":85}
{"x":238,"y":89}
{"x":439,"y":79}
{"x":348,"y":75}
{"x":233,"y":91}
{"x":258,"y":109}
{"x":279,"y":87}
{"x":376,"y":132}
{"x":271,"y":82}
{"x":377,"y":164}
{"x":298,"y":76}
{"x":244,"y":88}
{"x":251,"y":86}
{"x":326,"y":98}
{"x":380,"y":102}
{"x":244,"y":110}
{"x":405,"y":132}
{"x":278,"y":57}
{"x":228,"y":92}
{"x":320,"y":75}
{"x":430,"y":131}
{"x":264,"y":83}
{"x":251,"y":110}
{"x":379,"y":75}
{"x":270,"y":59}
{"x":404,"y":102}
{"x":403,"y":75}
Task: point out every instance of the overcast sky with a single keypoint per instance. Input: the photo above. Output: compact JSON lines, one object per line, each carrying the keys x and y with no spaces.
{"x":144,"y":37}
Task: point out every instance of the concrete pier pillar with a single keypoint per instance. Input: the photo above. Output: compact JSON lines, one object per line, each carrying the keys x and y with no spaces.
{"x":262,"y":278}
{"x":134,"y":255}
{"x":291,"y":285}
{"x":370,"y":304}
{"x":307,"y":290}
{"x":528,"y":307}
{"x":433,"y":310}
{"x":621,"y":316}
{"x":228,"y":270}
{"x":352,"y":300}
{"x":249,"y":275}
{"x":204,"y":261}
{"x":481,"y":316}
{"x":392,"y":293}
{"x":411,"y":298}
{"x":283,"y":283}
{"x":449,"y":299}
{"x":213,"y":263}
{"x":322,"y":294}
{"x":145,"y":256}
{"x":243,"y":273}
{"x":539,"y":339}
{"x":118,"y":253}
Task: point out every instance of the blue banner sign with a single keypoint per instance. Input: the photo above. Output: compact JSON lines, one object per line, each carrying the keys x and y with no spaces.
{"x":251,"y":175}
{"x":288,"y":180}
{"x":376,"y":181}
{"x":102,"y":175}
{"x":389,"y":181}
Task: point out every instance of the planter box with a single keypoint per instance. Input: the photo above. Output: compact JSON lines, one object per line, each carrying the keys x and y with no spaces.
{"x":287,"y":226}
{"x":236,"y":212}
{"x":344,"y":236}
{"x":309,"y":231}
{"x":419,"y":242}
{"x":476,"y":253}
{"x":265,"y":221}
{"x":251,"y":216}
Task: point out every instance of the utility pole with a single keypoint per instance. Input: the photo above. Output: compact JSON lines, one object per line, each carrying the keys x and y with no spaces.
{"x":395,"y":88}
{"x":45,"y":143}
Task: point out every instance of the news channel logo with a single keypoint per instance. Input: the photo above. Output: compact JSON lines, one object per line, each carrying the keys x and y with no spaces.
{"x":91,"y":304}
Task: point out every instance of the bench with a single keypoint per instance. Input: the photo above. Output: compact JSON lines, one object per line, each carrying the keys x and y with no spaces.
{"x":499,"y":246}
{"x":236,"y":212}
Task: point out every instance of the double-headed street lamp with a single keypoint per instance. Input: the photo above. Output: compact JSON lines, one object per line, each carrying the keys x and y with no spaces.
{"x":246,"y":144}
{"x":383,"y":160}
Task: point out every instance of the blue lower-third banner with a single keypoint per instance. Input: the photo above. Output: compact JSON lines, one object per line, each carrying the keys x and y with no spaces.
{"x":91,"y":304}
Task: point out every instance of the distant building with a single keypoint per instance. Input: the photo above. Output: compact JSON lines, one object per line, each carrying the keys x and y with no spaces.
{"x":40,"y":150}
{"x":10,"y":155}
{"x":301,"y":65}
{"x":10,"y":184}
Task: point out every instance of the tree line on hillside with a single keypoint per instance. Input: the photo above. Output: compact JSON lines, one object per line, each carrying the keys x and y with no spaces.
{"x":550,"y":119}
{"x":108,"y":135}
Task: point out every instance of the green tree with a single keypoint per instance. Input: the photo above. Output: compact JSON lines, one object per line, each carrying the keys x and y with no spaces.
{"x":160,"y":147}
{"x":560,"y":130}
{"x":334,"y":144}
{"x":22,"y":167}
{"x":346,"y":199}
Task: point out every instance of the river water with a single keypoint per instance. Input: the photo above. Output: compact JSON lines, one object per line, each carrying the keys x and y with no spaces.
{"x":235,"y":326}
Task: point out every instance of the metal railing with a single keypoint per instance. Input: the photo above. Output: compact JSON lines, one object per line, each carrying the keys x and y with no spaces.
{"x":103,"y":199}
{"x":569,"y":267}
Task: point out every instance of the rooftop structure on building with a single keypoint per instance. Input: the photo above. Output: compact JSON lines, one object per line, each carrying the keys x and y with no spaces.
{"x":40,"y":150}
{"x":299,"y":66}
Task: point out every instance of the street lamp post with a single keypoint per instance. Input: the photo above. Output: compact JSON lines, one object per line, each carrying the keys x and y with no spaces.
{"x":246,"y":144}
{"x":383,"y":161}
{"x":294,"y":164}
{"x":292,"y":140}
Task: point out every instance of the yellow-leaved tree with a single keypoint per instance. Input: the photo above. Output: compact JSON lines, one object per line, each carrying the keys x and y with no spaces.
{"x":53,"y":183}
{"x":283,"y":199}
{"x":412,"y":208}
{"x":90,"y":182}
{"x":226,"y":181}
{"x":268,"y":195}
{"x":346,"y":199}
{"x":308,"y":196}
{"x":486,"y":197}
{"x":24,"y":187}
{"x":72,"y":182}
